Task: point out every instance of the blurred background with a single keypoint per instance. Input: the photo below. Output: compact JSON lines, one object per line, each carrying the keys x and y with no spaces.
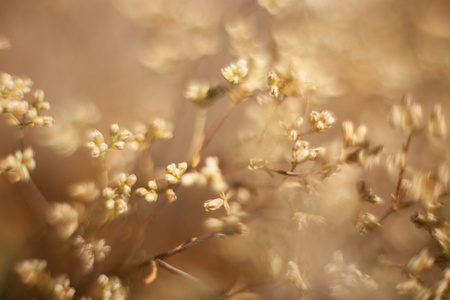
{"x":125,"y":61}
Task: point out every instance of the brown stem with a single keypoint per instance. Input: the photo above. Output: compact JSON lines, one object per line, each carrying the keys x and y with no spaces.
{"x":198,"y":137}
{"x":402,"y":170}
{"x":282,"y":172}
{"x":178,"y":272}
{"x":185,"y":246}
{"x":395,"y":200}
{"x":216,"y":128}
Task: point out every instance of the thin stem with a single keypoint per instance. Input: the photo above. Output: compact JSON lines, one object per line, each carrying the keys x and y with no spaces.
{"x":198,"y":137}
{"x":402,"y":170}
{"x":185,"y":246}
{"x":390,"y":211}
{"x":282,"y":172}
{"x":396,"y":196}
{"x":216,"y":128}
{"x":178,"y":272}
{"x":269,"y":121}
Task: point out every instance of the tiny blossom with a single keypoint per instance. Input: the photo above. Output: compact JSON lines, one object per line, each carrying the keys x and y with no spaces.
{"x":91,"y":252}
{"x":97,"y":145}
{"x":292,"y":128}
{"x":396,"y":161}
{"x":160,"y":129}
{"x":322,"y":121}
{"x":368,"y":195}
{"x":406,"y":116}
{"x":197,"y":92}
{"x":316,"y":153}
{"x":149,"y":193}
{"x":13,"y":88}
{"x":62,"y":290}
{"x":294,"y":276}
{"x":428,"y":220}
{"x":213,"y":174}
{"x":345,"y":278}
{"x":111,"y":288}
{"x":351,"y":137}
{"x":36,"y":107}
{"x":170,"y":195}
{"x":300,"y":151}
{"x":443,"y":239}
{"x":365,"y":222}
{"x":174,"y":172}
{"x":203,"y":94}
{"x":426,"y":189}
{"x":421,"y":262}
{"x":5,"y":44}
{"x":235,"y":73}
{"x":115,"y":207}
{"x":84,"y":191}
{"x":115,"y":204}
{"x":275,"y":84}
{"x":229,"y":224}
{"x":139,"y":139}
{"x":124,"y":183}
{"x":408,"y":286}
{"x":64,"y":218}
{"x":367,"y":158}
{"x":257,"y":163}
{"x":214,"y":204}
{"x":108,"y":193}
{"x":210,"y":173}
{"x":17,"y":166}
{"x":243,"y":195}
{"x":35,"y":119}
{"x":118,"y":138}
{"x":436,"y":125}
{"x":39,"y":102}
{"x":31,"y":271}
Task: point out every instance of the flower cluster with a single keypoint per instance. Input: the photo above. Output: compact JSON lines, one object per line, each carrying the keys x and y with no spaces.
{"x":16,"y":109}
{"x":210,"y":173}
{"x":18,"y":165}
{"x":64,"y":219}
{"x":235,"y":73}
{"x":320,"y":122}
{"x":116,"y":196}
{"x":302,"y":151}
{"x":149,"y":193}
{"x":118,"y":139}
{"x":33,"y":273}
{"x":406,"y":116}
{"x":203,"y":94}
{"x":346,"y":279}
{"x":89,"y":253}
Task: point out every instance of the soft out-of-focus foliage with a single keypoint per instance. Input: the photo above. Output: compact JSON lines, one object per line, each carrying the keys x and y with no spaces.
{"x":291,"y":149}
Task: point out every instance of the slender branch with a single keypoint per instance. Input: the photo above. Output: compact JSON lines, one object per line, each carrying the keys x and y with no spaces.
{"x":178,"y":272}
{"x":185,"y":246}
{"x":396,"y":199}
{"x":198,"y":137}
{"x":282,"y":172}
{"x":216,"y":128}
{"x":402,"y":170}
